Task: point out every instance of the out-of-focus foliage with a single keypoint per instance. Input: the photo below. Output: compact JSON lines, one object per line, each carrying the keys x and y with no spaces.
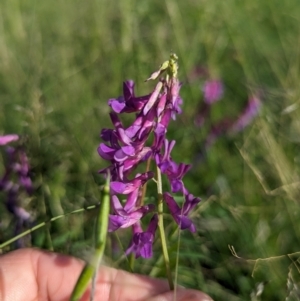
{"x":61,"y":61}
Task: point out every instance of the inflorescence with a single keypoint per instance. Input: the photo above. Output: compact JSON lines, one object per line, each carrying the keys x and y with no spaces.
{"x":145,"y":140}
{"x":15,"y":181}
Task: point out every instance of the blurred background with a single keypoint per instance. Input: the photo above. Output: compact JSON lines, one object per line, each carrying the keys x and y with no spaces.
{"x":60,"y":61}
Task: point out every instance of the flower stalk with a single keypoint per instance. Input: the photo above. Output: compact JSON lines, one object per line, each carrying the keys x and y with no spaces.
{"x":143,"y":142}
{"x":160,"y":210}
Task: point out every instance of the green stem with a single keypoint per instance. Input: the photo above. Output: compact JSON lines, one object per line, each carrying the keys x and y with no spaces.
{"x":144,"y":189}
{"x":162,"y":230}
{"x":131,"y":262}
{"x":89,"y":272}
{"x":36,"y":227}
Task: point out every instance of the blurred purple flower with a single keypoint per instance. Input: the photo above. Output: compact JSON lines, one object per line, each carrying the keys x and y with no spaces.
{"x":230,"y":126}
{"x":17,"y":166}
{"x":14,"y":180}
{"x":250,"y":112}
{"x":13,"y":206}
{"x":213,"y":91}
{"x":8,"y":138}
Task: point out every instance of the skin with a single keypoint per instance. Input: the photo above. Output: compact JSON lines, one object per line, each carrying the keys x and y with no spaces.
{"x":31,"y":275}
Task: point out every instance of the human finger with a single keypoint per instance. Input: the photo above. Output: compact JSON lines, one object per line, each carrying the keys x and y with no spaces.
{"x":31,"y":274}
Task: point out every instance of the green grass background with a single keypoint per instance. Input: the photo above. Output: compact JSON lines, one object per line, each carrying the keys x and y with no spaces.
{"x":60,"y":61}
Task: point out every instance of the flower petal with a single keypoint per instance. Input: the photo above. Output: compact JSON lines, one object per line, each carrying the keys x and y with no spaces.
{"x":8,"y":138}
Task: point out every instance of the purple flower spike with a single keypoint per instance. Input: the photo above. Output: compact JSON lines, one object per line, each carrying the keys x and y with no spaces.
{"x":141,"y":243}
{"x":15,"y":180}
{"x":213,"y":91}
{"x":144,"y":140}
{"x":8,"y":138}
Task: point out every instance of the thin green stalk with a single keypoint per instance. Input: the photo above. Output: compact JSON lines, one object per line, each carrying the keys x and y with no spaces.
{"x":132,"y":262}
{"x":36,"y":227}
{"x":89,"y":272}
{"x":144,"y":190}
{"x":162,"y":230}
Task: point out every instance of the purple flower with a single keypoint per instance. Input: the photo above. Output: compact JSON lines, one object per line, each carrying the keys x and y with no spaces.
{"x":180,"y":215}
{"x":120,"y":154}
{"x":128,"y":102}
{"x":250,"y":112}
{"x":127,"y":187}
{"x":14,"y":181}
{"x":13,"y":206}
{"x":153,"y":98}
{"x":8,"y":138}
{"x":129,"y":215}
{"x":176,"y":99}
{"x":213,"y":91}
{"x":161,"y":129}
{"x":17,"y":164}
{"x":174,"y":171}
{"x":142,"y":126}
{"x":141,"y":243}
